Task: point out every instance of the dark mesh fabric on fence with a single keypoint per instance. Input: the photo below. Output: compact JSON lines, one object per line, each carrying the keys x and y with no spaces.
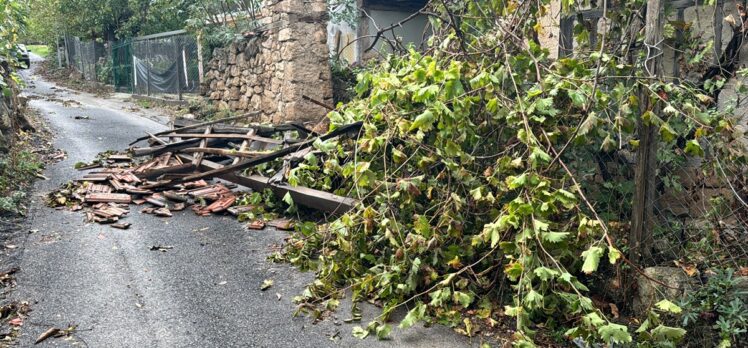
{"x":165,"y":65}
{"x":86,"y":57}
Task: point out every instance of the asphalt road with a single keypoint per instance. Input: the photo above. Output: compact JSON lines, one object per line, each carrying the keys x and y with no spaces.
{"x":202,"y":293}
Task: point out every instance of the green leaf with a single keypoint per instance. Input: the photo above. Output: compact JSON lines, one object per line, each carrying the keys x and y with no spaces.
{"x":667,"y":333}
{"x":414,"y":315}
{"x":589,"y":124}
{"x":554,"y":237}
{"x":693,"y":148}
{"x":667,"y":133}
{"x":613,"y":255}
{"x":424,"y":121}
{"x":288,"y":199}
{"x":383,"y":331}
{"x":464,"y":299}
{"x":545,"y":274}
{"x":591,"y":259}
{"x":578,"y":98}
{"x":538,"y":156}
{"x":614,"y":333}
{"x":668,"y":306}
{"x":360,"y":332}
{"x":545,"y":107}
{"x":426,"y":93}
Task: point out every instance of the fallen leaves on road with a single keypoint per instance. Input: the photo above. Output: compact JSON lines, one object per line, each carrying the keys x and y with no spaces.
{"x":56,"y":333}
{"x":266,"y":284}
{"x":7,"y":279}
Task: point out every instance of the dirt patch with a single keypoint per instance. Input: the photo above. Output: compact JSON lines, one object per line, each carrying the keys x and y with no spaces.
{"x":72,"y":79}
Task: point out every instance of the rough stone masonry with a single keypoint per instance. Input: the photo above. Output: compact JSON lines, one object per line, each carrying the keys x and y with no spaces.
{"x":271,"y":69}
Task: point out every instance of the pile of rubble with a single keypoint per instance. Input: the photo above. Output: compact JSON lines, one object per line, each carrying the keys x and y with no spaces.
{"x":181,"y":167}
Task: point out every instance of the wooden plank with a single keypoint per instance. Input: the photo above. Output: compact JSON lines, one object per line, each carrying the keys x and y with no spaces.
{"x":320,"y":200}
{"x":198,"y":156}
{"x":245,"y":145}
{"x":642,"y":217}
{"x":717,"y":24}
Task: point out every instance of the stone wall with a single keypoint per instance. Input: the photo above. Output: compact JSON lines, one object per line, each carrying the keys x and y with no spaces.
{"x":271,"y":69}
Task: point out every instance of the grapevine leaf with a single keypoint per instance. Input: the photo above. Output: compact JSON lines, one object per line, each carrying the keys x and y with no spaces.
{"x":591,"y":259}
{"x":414,"y":315}
{"x":614,"y":333}
{"x":424,"y":121}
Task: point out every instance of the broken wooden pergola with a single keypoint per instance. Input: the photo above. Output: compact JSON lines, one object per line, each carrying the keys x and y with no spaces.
{"x":217,"y":149}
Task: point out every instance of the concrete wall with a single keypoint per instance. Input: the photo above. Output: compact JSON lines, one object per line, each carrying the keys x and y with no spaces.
{"x":271,"y":71}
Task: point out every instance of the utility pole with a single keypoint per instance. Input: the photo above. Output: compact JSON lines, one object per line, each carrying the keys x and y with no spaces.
{"x":642,"y":219}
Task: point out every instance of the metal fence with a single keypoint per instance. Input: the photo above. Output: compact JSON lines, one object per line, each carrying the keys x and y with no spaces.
{"x":164,"y":65}
{"x":88,"y":58}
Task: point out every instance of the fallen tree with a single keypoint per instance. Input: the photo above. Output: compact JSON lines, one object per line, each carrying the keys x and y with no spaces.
{"x":477,"y":175}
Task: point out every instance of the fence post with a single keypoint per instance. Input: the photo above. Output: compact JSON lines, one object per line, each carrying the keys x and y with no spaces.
{"x":67,"y":51}
{"x":200,"y":67}
{"x":642,"y":218}
{"x":148,"y":61}
{"x":59,"y":54}
{"x":566,"y":36}
{"x":179,"y":67}
{"x":80,"y":57}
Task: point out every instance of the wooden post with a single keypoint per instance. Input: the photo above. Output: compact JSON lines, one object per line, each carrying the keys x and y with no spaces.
{"x":148,"y":66}
{"x":200,"y":68}
{"x":566,"y":36}
{"x":178,"y":56}
{"x":678,"y":46}
{"x":717,"y":23}
{"x":642,"y":218}
{"x":67,"y":51}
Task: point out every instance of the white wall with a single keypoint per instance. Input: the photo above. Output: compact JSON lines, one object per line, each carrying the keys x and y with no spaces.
{"x":341,"y":35}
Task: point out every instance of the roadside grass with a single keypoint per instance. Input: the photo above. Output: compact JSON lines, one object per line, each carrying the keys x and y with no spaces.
{"x":40,"y":50}
{"x":18,"y":169}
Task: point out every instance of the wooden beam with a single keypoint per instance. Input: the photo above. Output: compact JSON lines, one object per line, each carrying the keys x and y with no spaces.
{"x":245,"y":145}
{"x":224,"y":152}
{"x":226,"y":136}
{"x":173,"y":147}
{"x":642,"y":217}
{"x":200,"y":125}
{"x":203,"y":144}
{"x":320,"y":200}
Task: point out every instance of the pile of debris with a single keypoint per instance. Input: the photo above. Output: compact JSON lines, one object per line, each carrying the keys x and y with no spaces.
{"x":182,"y":164}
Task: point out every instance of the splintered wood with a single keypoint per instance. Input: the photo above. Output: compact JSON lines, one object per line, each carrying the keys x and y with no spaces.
{"x":183,"y":164}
